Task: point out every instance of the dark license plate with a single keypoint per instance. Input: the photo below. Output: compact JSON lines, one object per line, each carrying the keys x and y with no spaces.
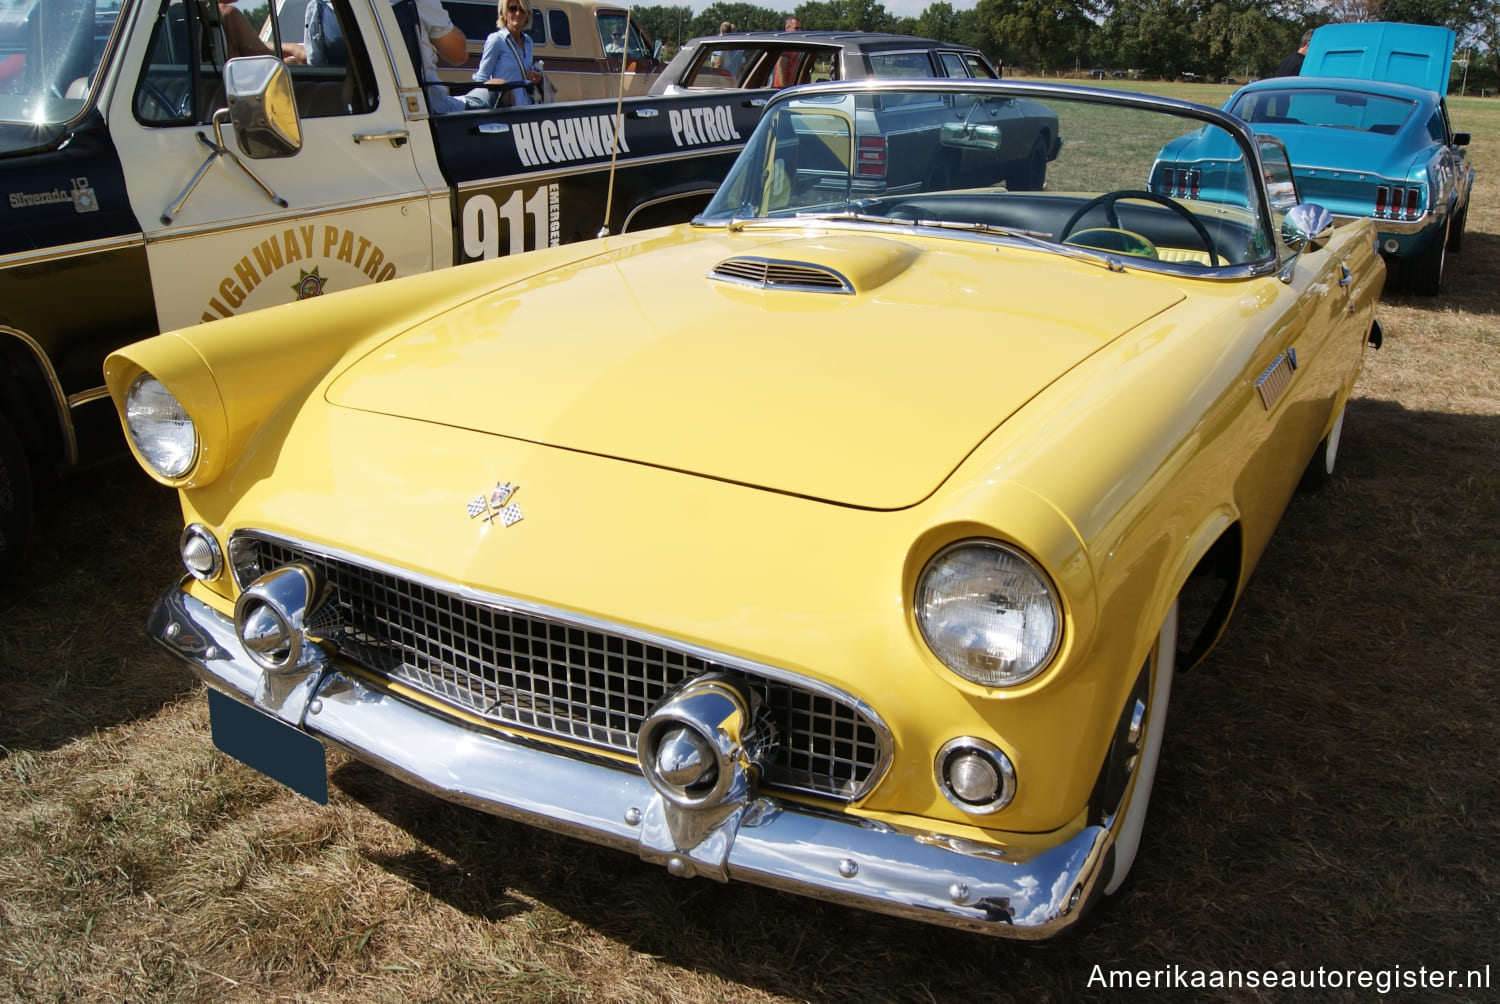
{"x":270,"y":745}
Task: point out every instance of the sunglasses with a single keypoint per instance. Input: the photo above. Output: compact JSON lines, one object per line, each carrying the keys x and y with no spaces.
{"x":515,"y":10}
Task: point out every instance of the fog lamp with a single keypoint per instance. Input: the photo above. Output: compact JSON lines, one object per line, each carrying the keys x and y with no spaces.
{"x":700,"y":747}
{"x":975,"y":775}
{"x":270,"y":617}
{"x":685,"y":760}
{"x":1391,"y":245}
{"x":200,"y":552}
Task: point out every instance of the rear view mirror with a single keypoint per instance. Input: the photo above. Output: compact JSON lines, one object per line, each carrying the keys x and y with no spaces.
{"x":970,"y":136}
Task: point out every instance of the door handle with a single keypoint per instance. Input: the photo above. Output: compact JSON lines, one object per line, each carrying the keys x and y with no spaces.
{"x":1345,"y":278}
{"x":398,"y":137}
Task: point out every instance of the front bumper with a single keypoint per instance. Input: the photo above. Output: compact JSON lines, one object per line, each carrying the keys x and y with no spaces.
{"x":770,"y":842}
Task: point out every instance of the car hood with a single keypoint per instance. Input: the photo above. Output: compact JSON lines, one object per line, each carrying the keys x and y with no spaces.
{"x":1416,"y":54}
{"x":869,"y":398}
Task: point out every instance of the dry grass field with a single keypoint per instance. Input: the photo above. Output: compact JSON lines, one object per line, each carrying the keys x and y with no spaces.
{"x":1328,"y":794}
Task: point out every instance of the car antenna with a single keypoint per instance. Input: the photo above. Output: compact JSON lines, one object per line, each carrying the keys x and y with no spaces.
{"x":614,"y":152}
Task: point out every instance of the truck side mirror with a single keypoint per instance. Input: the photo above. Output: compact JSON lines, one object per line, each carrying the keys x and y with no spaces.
{"x":262,"y":107}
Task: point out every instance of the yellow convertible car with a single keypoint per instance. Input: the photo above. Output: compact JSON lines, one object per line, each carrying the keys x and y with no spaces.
{"x":844,"y":541}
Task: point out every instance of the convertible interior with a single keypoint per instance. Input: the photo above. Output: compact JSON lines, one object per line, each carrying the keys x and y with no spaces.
{"x":1137,"y":223}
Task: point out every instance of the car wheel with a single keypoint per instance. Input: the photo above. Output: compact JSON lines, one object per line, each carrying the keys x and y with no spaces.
{"x":15,"y":498}
{"x":1456,"y":230}
{"x":1320,"y":467}
{"x":1137,"y":747}
{"x":1029,"y":174}
{"x":1425,"y":271}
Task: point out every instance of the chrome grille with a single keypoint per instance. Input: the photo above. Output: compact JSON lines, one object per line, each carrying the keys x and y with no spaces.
{"x":556,"y":678}
{"x":770,"y":273}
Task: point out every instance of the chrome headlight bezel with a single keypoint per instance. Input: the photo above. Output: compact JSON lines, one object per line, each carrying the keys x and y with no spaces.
{"x":161,"y":431}
{"x":988,"y":612}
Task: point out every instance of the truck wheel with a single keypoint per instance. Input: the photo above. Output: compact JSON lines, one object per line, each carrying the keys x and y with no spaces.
{"x":1030,"y":173}
{"x":15,"y":498}
{"x":1424,"y":273}
{"x":1456,"y":230}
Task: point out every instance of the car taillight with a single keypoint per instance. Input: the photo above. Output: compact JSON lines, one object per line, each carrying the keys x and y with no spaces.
{"x":1398,"y":202}
{"x":1182,"y":182}
{"x":870,"y":157}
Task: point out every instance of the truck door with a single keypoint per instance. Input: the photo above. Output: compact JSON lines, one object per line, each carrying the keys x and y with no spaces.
{"x":227,"y":233}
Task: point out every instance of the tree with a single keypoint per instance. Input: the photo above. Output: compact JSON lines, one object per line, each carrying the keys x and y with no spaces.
{"x":844,"y":15}
{"x":744,"y":17}
{"x":665,"y":24}
{"x":1047,"y":34}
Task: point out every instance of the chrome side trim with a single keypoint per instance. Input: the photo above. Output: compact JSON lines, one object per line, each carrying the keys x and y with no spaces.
{"x":89,"y":396}
{"x":43,"y":255}
{"x":60,"y":401}
{"x":695,"y":194}
{"x":844,"y":859}
{"x":257,"y":222}
{"x":486,"y":184}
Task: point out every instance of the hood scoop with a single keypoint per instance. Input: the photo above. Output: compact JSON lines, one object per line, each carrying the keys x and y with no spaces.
{"x":771,"y":273}
{"x":847,"y":263}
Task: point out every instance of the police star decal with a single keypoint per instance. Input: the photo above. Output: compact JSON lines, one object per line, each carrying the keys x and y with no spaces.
{"x":497,"y":505}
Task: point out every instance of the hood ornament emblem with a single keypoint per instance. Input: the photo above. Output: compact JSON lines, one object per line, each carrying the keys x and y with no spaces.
{"x":497,"y":504}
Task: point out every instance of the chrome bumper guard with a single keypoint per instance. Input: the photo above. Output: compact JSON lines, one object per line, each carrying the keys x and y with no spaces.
{"x":855,"y":862}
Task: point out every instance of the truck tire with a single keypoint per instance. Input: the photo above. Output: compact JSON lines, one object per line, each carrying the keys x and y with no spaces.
{"x":15,"y":498}
{"x":1424,"y":273}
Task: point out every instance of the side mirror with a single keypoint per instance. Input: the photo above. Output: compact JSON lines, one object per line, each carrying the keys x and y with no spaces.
{"x":262,"y":108}
{"x":1460,"y":139}
{"x":1307,"y":227}
{"x":656,"y":55}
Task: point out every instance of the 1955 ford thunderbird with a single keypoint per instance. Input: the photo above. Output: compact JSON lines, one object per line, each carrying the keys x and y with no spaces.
{"x":844,"y":541}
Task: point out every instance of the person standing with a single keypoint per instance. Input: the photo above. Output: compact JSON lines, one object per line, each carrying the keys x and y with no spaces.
{"x":507,"y":59}
{"x":785,"y":73}
{"x":1291,"y":66}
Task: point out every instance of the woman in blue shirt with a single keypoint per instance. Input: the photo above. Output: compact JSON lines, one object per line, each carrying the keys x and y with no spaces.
{"x":507,"y":60}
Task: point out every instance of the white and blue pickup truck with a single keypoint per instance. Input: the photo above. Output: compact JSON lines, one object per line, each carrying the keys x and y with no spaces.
{"x":154,"y":178}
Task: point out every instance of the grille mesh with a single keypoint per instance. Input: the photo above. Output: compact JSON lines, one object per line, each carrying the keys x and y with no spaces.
{"x":560,"y":679}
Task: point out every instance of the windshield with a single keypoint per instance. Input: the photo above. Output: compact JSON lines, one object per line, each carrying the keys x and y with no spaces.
{"x":1322,"y":106}
{"x":49,"y":57}
{"x":1144,"y":178}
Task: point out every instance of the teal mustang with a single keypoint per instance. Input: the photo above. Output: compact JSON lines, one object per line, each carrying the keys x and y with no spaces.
{"x":1368,"y":134}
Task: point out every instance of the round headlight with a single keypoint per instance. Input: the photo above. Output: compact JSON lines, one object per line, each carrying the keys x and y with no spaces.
{"x":988,"y":613}
{"x":160,"y":428}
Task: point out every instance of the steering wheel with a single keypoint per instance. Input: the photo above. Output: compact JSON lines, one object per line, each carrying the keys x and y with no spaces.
{"x":178,"y":109}
{"x":1108,"y":200}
